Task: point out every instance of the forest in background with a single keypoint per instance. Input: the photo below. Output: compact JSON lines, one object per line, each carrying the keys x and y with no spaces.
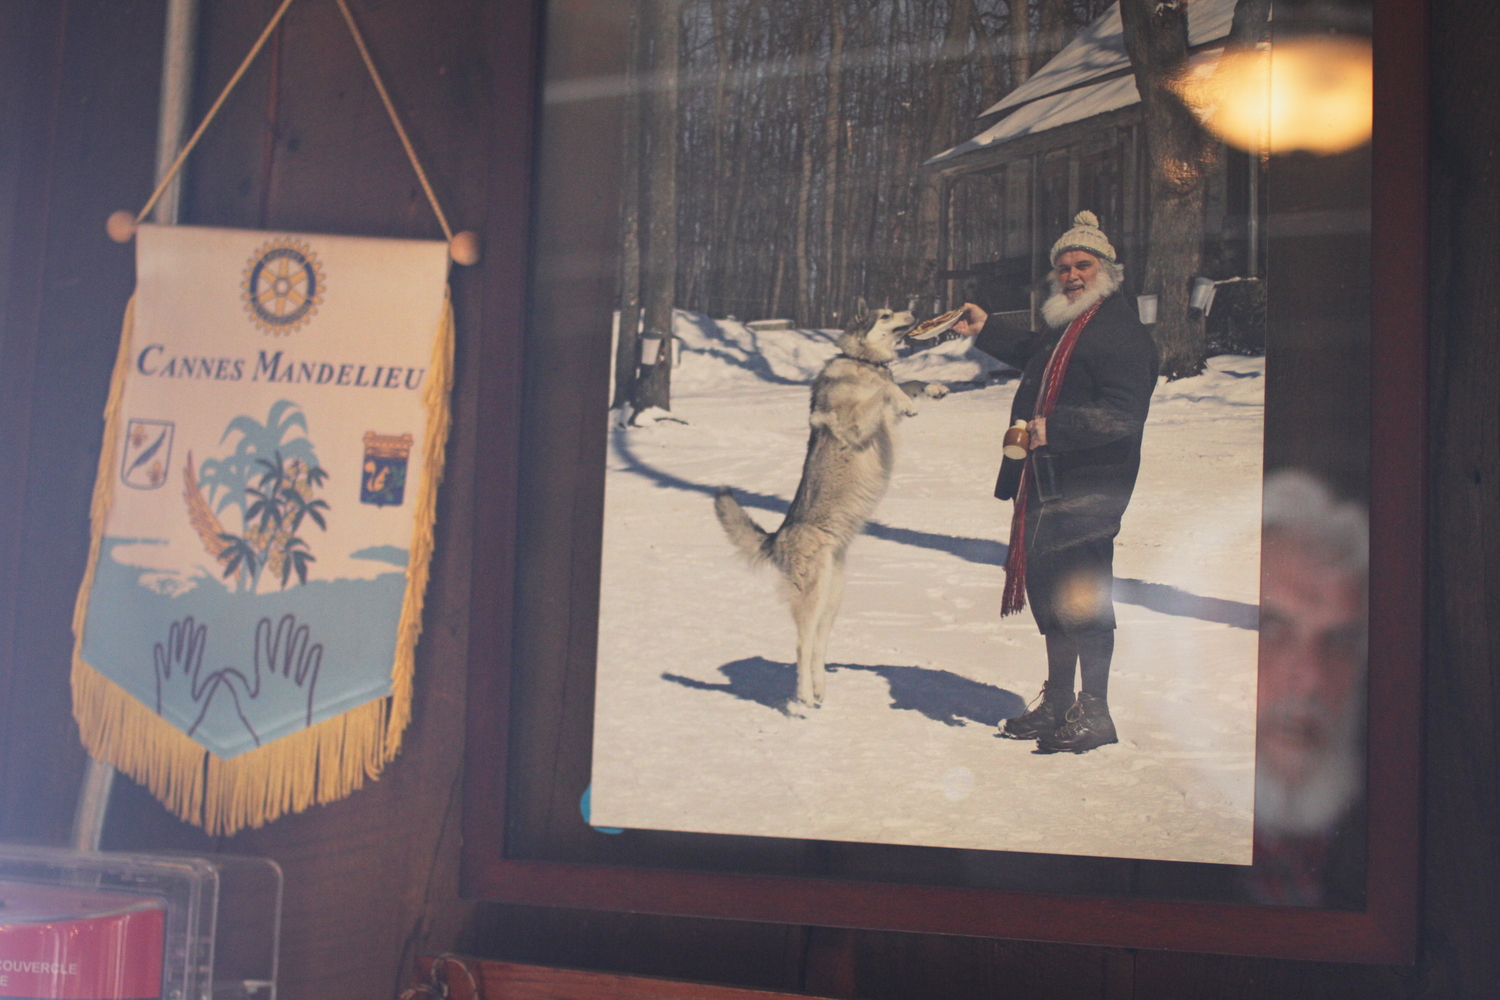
{"x":772,"y":155}
{"x":802,"y":128}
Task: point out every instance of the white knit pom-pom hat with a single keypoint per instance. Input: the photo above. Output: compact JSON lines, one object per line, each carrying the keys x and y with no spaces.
{"x":1085,"y":235}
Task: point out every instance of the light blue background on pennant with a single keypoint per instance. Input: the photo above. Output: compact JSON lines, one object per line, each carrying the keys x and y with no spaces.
{"x":239,"y":687}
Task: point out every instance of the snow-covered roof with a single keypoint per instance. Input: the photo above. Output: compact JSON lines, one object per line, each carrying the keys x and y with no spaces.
{"x":1067,"y":106}
{"x":1099,"y":50}
{"x":1090,"y":76}
{"x":1050,"y":112}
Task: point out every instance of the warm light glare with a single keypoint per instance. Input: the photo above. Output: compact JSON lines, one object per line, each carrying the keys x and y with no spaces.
{"x":1313,"y":94}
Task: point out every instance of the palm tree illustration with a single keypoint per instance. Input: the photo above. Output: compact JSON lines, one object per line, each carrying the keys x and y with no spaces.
{"x":272,"y":482}
{"x":227,"y":479}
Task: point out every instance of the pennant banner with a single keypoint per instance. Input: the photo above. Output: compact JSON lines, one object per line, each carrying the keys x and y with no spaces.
{"x":262,"y":517}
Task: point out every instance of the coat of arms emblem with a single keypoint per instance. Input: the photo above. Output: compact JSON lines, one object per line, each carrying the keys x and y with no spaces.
{"x":148,"y":453}
{"x":383,"y":482}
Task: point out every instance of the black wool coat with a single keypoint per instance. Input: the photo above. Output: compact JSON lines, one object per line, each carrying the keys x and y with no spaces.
{"x":1094,"y":430}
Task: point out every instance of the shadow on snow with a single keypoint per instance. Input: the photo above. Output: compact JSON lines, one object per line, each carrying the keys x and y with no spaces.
{"x":754,"y":359}
{"x":937,"y":694}
{"x":1158,"y":597}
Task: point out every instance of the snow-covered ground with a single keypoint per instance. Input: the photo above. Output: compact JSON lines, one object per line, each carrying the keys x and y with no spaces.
{"x":692,"y":727}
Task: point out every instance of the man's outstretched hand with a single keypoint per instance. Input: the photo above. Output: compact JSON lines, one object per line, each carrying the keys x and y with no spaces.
{"x":971,"y":322}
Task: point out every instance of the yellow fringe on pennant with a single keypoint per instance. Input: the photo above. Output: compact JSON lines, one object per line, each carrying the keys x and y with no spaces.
{"x":320,"y":764}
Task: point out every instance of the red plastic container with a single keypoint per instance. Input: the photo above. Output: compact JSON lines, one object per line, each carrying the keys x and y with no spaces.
{"x":60,"y":943}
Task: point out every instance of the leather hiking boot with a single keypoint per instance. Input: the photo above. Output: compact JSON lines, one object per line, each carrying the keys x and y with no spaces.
{"x":1045,"y":717}
{"x":1087,"y":725}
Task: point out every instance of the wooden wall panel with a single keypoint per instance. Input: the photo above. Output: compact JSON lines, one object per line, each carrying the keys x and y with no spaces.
{"x":555,"y":514}
{"x":889,"y":966}
{"x":304,"y":144}
{"x":1162,"y":976}
{"x":1462,"y":829}
{"x":760,"y":956}
{"x":78,"y":142}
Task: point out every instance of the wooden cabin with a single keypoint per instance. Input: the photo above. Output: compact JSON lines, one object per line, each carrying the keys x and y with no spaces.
{"x":1070,"y":138}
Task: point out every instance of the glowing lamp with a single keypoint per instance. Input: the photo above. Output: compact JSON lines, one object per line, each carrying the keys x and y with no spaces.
{"x":1307,"y":92}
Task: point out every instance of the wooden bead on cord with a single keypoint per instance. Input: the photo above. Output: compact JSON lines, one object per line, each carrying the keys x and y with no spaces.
{"x":464,"y":248}
{"x":120,"y":226}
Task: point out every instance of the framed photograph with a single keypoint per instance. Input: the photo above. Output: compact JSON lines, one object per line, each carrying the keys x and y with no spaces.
{"x":958,"y":473}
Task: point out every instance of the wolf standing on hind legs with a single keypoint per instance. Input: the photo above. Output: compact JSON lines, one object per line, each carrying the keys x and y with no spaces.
{"x":855,"y":406}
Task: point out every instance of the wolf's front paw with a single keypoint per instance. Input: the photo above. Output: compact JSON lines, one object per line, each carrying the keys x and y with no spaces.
{"x":935,"y":390}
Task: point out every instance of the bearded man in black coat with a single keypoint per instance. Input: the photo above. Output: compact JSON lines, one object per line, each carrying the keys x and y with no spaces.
{"x":1086,"y":384}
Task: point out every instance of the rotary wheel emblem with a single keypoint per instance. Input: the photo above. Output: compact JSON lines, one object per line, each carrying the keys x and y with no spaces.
{"x":283,"y":285}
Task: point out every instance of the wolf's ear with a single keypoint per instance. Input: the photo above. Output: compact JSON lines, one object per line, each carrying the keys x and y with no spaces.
{"x":861,"y":306}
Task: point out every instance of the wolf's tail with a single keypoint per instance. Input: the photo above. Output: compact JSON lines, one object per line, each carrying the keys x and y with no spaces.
{"x":753,"y":541}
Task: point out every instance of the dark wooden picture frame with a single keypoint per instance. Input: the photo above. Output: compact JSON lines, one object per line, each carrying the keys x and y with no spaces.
{"x":531,"y":634}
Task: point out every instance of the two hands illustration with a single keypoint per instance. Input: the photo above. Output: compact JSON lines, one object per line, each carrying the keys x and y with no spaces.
{"x":285,"y":665}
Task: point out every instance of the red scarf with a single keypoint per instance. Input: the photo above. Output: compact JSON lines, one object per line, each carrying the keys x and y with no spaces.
{"x":1014,"y":598}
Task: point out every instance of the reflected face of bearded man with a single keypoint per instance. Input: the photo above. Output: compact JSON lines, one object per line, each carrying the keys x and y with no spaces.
{"x":1310,"y":694}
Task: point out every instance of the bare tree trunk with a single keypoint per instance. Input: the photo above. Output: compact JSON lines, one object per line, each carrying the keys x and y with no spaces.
{"x":851,"y":191}
{"x":1059,"y":21}
{"x":661,"y":29}
{"x":850,"y":286}
{"x":1180,"y":153}
{"x":804,"y":189}
{"x":719,"y":24}
{"x":1251,"y":19}
{"x":731,"y":283}
{"x":989,"y":69}
{"x":1020,"y":42}
{"x":775,"y":309}
{"x":627,"y":346}
{"x":833,"y":115}
{"x":942,"y":112}
{"x":1052,"y":31}
{"x":800,"y":243}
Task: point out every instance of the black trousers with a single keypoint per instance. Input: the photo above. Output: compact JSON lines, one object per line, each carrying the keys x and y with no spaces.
{"x":1070,"y":568}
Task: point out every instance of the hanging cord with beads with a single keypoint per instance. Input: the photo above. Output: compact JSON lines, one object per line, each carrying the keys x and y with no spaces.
{"x":187,"y":147}
{"x":464,"y":247}
{"x":390,"y":108}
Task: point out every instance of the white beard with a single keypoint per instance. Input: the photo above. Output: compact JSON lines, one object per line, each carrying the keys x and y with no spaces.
{"x":1315,"y":804}
{"x":1057,"y":311}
